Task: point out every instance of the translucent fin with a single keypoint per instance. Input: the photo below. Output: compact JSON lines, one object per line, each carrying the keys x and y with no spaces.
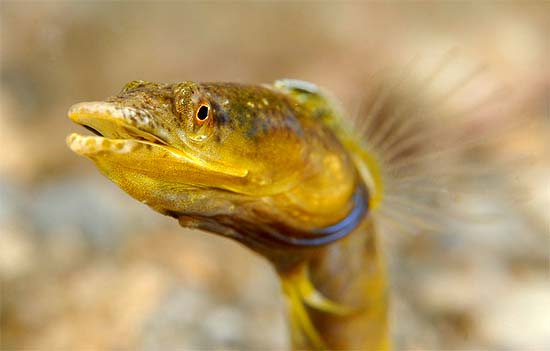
{"x":425,"y":138}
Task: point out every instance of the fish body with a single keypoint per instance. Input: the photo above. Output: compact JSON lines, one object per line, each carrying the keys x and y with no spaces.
{"x":275,"y":167}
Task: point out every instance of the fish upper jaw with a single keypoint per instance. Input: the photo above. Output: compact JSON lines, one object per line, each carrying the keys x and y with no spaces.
{"x":118,"y":122}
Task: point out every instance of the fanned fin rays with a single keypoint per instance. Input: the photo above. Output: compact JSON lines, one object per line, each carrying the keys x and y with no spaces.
{"x":413,"y":142}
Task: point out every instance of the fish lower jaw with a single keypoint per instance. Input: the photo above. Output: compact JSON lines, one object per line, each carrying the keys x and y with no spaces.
{"x":90,"y":145}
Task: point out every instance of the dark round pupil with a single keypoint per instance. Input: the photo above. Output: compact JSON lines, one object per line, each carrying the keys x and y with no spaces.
{"x":202,"y":114}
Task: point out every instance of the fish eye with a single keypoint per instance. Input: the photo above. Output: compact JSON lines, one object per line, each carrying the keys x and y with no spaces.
{"x":202,"y":114}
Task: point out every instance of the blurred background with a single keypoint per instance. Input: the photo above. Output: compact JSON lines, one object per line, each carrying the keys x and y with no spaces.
{"x":84,"y":266}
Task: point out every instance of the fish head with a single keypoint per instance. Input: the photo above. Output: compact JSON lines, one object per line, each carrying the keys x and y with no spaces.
{"x":224,"y":157}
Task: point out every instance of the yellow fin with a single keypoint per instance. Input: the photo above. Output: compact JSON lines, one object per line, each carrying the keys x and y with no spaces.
{"x":301,"y":325}
{"x":315,"y":299}
{"x":300,"y":293}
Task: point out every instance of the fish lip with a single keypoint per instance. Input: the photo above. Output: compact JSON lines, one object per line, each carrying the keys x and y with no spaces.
{"x":98,"y":146}
{"x":89,"y":145}
{"x":111,"y":121}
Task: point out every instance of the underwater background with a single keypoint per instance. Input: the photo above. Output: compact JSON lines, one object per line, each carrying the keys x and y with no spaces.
{"x":84,"y":266}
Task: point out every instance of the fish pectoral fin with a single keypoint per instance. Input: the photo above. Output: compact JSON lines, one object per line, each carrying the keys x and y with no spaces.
{"x":303,"y":331}
{"x":316,"y":300}
{"x":301,"y":295}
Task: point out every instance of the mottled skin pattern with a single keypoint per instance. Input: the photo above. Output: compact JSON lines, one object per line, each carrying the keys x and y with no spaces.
{"x":270,"y":166}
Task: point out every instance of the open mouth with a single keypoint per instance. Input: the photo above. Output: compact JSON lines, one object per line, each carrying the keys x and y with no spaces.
{"x":115,"y":129}
{"x":93,"y":130}
{"x":110,"y":121}
{"x":125,"y":130}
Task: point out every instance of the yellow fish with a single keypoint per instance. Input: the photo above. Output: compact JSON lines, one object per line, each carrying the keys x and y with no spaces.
{"x":278,"y":168}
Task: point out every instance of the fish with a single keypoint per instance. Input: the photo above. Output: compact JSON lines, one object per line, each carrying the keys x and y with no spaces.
{"x":282,"y":169}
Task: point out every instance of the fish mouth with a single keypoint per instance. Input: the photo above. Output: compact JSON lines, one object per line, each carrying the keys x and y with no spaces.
{"x":118,"y":130}
{"x":124,"y":135}
{"x":108,"y":121}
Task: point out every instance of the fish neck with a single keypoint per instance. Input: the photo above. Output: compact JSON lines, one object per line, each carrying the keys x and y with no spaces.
{"x":337,"y":299}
